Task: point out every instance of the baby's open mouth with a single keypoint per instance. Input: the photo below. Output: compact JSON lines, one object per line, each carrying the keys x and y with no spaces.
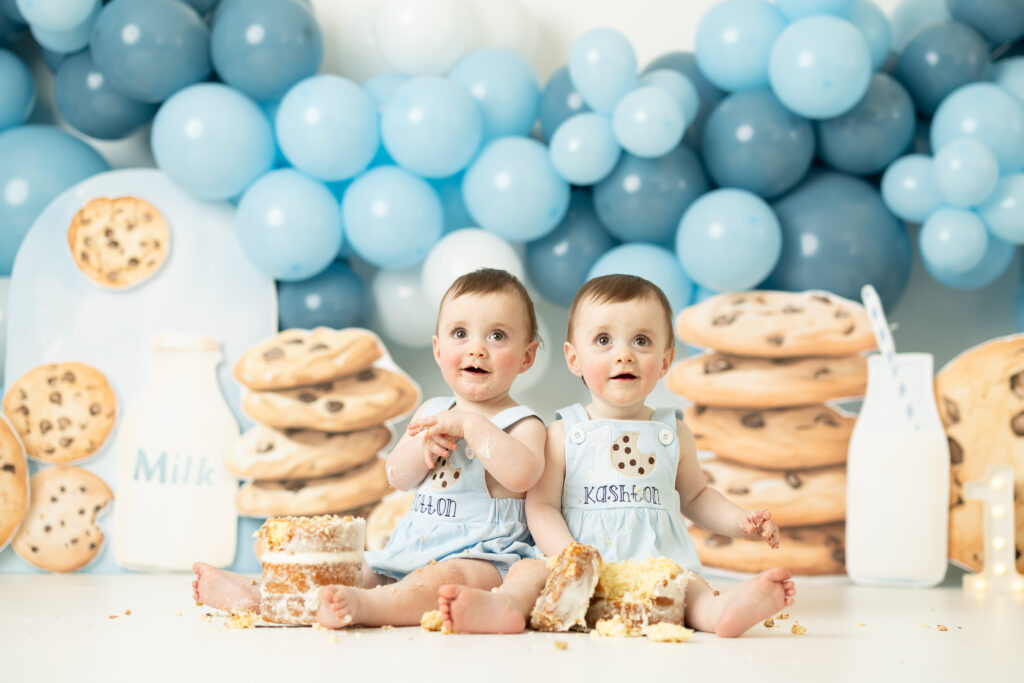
{"x":624,"y":375}
{"x":474,"y":371}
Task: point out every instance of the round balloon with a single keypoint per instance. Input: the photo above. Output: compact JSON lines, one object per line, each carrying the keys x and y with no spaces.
{"x":651,"y":262}
{"x":336,"y":298}
{"x":909,"y":188}
{"x":798,"y":9}
{"x":939,"y":59}
{"x":403,"y":312}
{"x":998,"y":20}
{"x":67,"y":40}
{"x":602,"y":66}
{"x":559,"y":101}
{"x":734,"y":39}
{"x":17,"y":90}
{"x":1009,"y":75}
{"x":678,"y":86}
{"x":505,"y":86}
{"x":987,"y":113}
{"x":966,"y":171}
{"x":648,"y":122}
{"x":383,"y":86}
{"x":1003,"y":211}
{"x":583,"y":150}
{"x":423,"y":37}
{"x":910,"y":16}
{"x":953,"y":240}
{"x":56,"y":15}
{"x":994,"y":263}
{"x":874,"y":26}
{"x":87,"y":101}
{"x":708,"y":95}
{"x":461,"y":252}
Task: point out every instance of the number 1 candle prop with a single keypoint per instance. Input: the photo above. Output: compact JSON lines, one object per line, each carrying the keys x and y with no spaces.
{"x":995,"y":490}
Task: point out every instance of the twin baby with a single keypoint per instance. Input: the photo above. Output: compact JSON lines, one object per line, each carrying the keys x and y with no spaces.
{"x":614,"y":474}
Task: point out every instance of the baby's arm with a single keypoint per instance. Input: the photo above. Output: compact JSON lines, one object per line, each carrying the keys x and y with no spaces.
{"x":544,"y":501}
{"x":710,"y":509}
{"x":414,"y":456}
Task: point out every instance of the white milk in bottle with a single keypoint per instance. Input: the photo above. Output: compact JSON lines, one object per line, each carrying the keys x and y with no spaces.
{"x":897,"y":496}
{"x":175,"y":499}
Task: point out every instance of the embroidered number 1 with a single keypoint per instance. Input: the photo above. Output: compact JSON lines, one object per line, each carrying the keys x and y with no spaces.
{"x":600,"y":440}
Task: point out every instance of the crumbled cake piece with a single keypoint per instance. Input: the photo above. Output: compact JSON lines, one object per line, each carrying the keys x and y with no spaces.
{"x":432,"y":620}
{"x":769,"y":622}
{"x":797,"y":629}
{"x":241,"y":620}
{"x":942,"y":628}
{"x":561,"y":645}
{"x":642,"y":592}
{"x":783,"y":616}
{"x":127,"y":612}
{"x":616,"y":627}
{"x":565,"y":598}
{"x":668,"y":633}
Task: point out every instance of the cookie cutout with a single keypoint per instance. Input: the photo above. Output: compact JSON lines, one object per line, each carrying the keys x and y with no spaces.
{"x":262,"y":452}
{"x":443,"y":477}
{"x":627,"y":458}
{"x":295,"y":358}
{"x":13,"y":483}
{"x":119,"y":243}
{"x":63,"y":412}
{"x":344,"y":493}
{"x":59,"y":533}
{"x":808,"y":550}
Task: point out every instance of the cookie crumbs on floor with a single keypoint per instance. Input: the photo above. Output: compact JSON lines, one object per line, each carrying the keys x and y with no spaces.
{"x":112,"y":616}
{"x":241,"y":620}
{"x":432,"y":620}
{"x":127,"y":612}
{"x":561,"y":645}
{"x":769,"y":622}
{"x":386,"y":627}
{"x":783,"y":616}
{"x":207,"y":618}
{"x":666,"y":632}
{"x":177,"y":612}
{"x":797,"y":629}
{"x":320,"y":627}
{"x":942,"y":628}
{"x":861,"y":623}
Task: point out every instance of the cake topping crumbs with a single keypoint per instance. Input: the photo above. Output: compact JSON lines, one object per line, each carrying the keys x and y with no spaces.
{"x":561,"y":645}
{"x":252,"y":582}
{"x":666,"y":632}
{"x":112,"y":616}
{"x":769,"y":622}
{"x":716,"y":593}
{"x":432,"y":620}
{"x":783,"y":616}
{"x":861,"y":623}
{"x":797,"y":629}
{"x":386,"y":627}
{"x":177,"y":612}
{"x":127,"y":612}
{"x":942,"y":628}
{"x":207,"y":617}
{"x":241,"y":620}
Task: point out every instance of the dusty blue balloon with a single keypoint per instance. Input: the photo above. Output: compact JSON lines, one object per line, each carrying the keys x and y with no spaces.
{"x":838,"y":236}
{"x":8,"y":29}
{"x":456,"y":215}
{"x":708,"y":95}
{"x":1018,"y":308}
{"x":37,"y":163}
{"x":866,"y":139}
{"x":989,"y":114}
{"x":678,"y":86}
{"x":335,"y":298}
{"x":202,"y":6}
{"x":68,"y":40}
{"x":939,"y":59}
{"x":559,"y":101}
{"x":52,"y":59}
{"x":1003,"y":211}
{"x":649,"y":261}
{"x":602,"y":66}
{"x":994,"y":263}
{"x":17,"y":90}
{"x":150,"y":49}
{"x":966,"y":171}
{"x":953,"y":240}
{"x":559,"y":262}
{"x":288,"y":225}
{"x":505,"y":86}
{"x":648,"y":122}
{"x":909,"y":188}
{"x":264,"y":47}
{"x":874,"y":26}
{"x":56,"y":15}
{"x":752,"y":142}
{"x":999,"y":21}
{"x":382,"y":86}
{"x":798,"y":9}
{"x":642,"y":200}
{"x":583,"y":149}
{"x":734,"y":39}
{"x":87,"y":102}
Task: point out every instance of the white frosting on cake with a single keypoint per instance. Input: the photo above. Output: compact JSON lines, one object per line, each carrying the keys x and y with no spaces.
{"x":349,"y":557}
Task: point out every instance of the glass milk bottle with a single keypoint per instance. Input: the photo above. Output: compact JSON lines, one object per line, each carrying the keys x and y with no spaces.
{"x":897,"y":499}
{"x":175,"y":499}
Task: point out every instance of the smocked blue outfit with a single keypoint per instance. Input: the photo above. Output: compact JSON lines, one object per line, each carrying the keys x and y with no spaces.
{"x":620,"y":492}
{"x":454,"y":517}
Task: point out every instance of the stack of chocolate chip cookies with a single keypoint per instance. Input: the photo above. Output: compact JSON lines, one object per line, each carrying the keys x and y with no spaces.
{"x":322,"y":401}
{"x":761,"y":400}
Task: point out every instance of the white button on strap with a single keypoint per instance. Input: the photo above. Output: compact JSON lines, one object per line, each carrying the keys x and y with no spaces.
{"x":578,"y":435}
{"x":666,"y":436}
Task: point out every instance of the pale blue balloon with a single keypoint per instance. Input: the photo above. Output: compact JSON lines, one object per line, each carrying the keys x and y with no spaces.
{"x":89,"y":104}
{"x":678,"y":86}
{"x":994,"y":263}
{"x":392,"y":218}
{"x":939,"y":59}
{"x":1009,"y":75}
{"x":289,"y":225}
{"x":966,"y":171}
{"x":327,"y":127}
{"x":651,"y":262}
{"x":703,"y":294}
{"x":583,"y":150}
{"x":17,"y":90}
{"x":1003,"y":210}
{"x":431,"y":126}
{"x":512,"y":190}
{"x":37,"y":163}
{"x":68,"y":40}
{"x":336,"y":298}
{"x":708,"y":95}
{"x":559,"y":101}
{"x":798,"y":9}
{"x":56,"y":15}
{"x":988,"y":113}
{"x":648,"y":122}
{"x":820,"y":67}
{"x":999,"y":21}
{"x":505,"y":86}
{"x":953,"y":240}
{"x":383,"y":86}
{"x":212,"y":140}
{"x":729,"y":240}
{"x":871,"y":21}
{"x":734,"y":40}
{"x":910,"y":16}
{"x":909,"y":188}
{"x":602,"y":65}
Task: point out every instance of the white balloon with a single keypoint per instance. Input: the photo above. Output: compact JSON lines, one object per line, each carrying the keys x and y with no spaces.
{"x":504,"y":23}
{"x":461,"y":252}
{"x":423,"y":37}
{"x":403,"y":311}
{"x":542,"y":361}
{"x":350,"y":46}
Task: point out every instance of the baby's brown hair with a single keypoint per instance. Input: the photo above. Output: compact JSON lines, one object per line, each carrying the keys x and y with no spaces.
{"x":613,"y":289}
{"x":493,"y":281}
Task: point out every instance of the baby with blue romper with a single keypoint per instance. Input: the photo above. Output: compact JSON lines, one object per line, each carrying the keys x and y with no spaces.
{"x":619,"y":476}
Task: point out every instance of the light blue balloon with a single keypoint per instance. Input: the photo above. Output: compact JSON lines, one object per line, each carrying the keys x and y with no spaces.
{"x":953,"y":240}
{"x":648,"y":122}
{"x":966,"y":172}
{"x":752,"y":142}
{"x":89,"y":104}
{"x":1009,"y":75}
{"x":37,"y":163}
{"x":820,"y":67}
{"x":392,"y":218}
{"x":874,"y":133}
{"x":939,"y":59}
{"x":383,"y":86}
{"x":456,"y":215}
{"x":559,"y":262}
{"x":678,"y":86}
{"x":1003,"y":211}
{"x":512,"y":190}
{"x":56,"y":15}
{"x":431,"y":126}
{"x":798,"y":9}
{"x":288,"y":225}
{"x":17,"y":90}
{"x":71,"y":39}
{"x":729,"y":240}
{"x":734,"y":39}
{"x":505,"y":86}
{"x":910,"y":16}
{"x":651,"y":262}
{"x":327,"y":127}
{"x":335,"y":298}
{"x":994,"y":263}
{"x":703,"y":294}
{"x":264,"y":47}
{"x":909,"y":188}
{"x":583,"y":149}
{"x":708,"y":95}
{"x":871,"y":21}
{"x":559,"y":101}
{"x":988,"y":113}
{"x":602,"y":66}
{"x":642,"y":200}
{"x":999,"y":21}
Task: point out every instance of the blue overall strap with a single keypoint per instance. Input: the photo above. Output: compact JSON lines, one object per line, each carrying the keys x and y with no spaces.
{"x":510,"y":416}
{"x":572,"y":416}
{"x":438,"y":404}
{"x":667,"y":416}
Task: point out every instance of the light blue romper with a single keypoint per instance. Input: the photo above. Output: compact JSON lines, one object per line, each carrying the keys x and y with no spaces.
{"x":454,"y":517}
{"x":614,"y":498}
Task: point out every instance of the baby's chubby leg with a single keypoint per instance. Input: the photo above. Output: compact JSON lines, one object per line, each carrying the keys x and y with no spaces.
{"x":734,"y":611}
{"x":503,"y":610}
{"x":225,"y":590}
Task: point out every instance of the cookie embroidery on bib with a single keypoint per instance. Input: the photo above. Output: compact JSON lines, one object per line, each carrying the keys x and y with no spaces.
{"x":444,"y":477}
{"x":627,"y":458}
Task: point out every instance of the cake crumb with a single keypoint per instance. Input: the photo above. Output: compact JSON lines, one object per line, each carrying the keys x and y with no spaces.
{"x":241,"y":620}
{"x":861,"y":623}
{"x":797,"y":629}
{"x":716,"y":593}
{"x":112,"y":616}
{"x":668,"y":633}
{"x":334,"y":638}
{"x":317,"y":626}
{"x":207,"y":618}
{"x":198,"y":604}
{"x":386,"y":627}
{"x":433,"y":562}
{"x":783,"y":616}
{"x":561,"y":645}
{"x":615,"y":627}
{"x":252,"y":582}
{"x":432,"y":620}
{"x":769,"y":622}
{"x":942,"y":628}
{"x":177,"y":612}
{"x":127,"y":612}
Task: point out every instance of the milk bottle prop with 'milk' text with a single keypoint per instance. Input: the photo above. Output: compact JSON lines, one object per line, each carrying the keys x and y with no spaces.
{"x":175,"y":499}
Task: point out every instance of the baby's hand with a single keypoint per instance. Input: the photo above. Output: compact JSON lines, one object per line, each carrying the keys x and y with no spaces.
{"x":449,"y":423}
{"x":436,"y":446}
{"x":757,"y":525}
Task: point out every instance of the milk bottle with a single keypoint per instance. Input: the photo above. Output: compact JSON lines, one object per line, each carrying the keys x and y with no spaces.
{"x":175,"y":500}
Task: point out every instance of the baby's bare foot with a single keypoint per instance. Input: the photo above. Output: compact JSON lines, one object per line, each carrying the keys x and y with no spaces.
{"x":339,"y":606}
{"x":754,"y":601}
{"x":224,"y":590}
{"x":471,"y":610}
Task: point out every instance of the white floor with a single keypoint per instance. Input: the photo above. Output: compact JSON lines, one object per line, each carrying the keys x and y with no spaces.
{"x":55,"y":628}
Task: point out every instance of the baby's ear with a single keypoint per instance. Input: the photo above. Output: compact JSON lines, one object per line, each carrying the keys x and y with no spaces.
{"x":666,"y":361}
{"x":437,"y":351}
{"x":529,"y":357}
{"x":572,"y":359}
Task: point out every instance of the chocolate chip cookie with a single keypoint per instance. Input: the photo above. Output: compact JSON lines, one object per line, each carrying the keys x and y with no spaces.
{"x":294,"y":358}
{"x":808,"y":550}
{"x":354,"y":489}
{"x":119,"y":242}
{"x":63,"y":412}
{"x":13,"y":483}
{"x":980,"y":395}
{"x":767,"y":324}
{"x":266,"y":453}
{"x":357,"y":401}
{"x":779,"y":439}
{"x":723,"y":380}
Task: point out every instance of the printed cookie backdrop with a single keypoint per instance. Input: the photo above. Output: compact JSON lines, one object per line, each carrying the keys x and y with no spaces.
{"x":207,"y":286}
